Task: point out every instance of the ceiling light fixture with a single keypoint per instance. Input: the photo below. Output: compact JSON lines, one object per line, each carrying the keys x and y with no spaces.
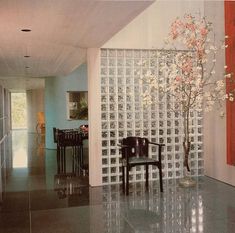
{"x":27,"y":67}
{"x":26,"y":56}
{"x":26,"y":30}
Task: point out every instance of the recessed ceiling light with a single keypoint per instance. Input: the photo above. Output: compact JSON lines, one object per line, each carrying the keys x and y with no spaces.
{"x":26,"y":30}
{"x":27,"y":67}
{"x":26,"y":56}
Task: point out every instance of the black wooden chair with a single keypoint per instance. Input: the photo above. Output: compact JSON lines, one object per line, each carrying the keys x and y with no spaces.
{"x":135,"y":152}
{"x":65,"y":139}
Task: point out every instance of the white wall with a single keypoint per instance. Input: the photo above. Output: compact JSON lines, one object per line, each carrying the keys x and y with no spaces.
{"x":35,"y":104}
{"x":214,"y":127}
{"x":149,"y":29}
{"x":94,"y":116}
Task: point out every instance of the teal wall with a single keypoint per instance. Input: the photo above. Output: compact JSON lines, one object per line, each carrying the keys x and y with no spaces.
{"x":55,"y":101}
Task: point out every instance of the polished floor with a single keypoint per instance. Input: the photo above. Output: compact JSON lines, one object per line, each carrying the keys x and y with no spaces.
{"x":35,"y":199}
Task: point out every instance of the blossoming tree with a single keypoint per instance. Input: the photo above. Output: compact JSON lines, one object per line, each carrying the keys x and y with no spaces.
{"x":190,"y":81}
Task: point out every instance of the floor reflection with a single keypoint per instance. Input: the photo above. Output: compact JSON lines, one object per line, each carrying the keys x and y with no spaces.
{"x":19,"y":149}
{"x":36,"y":199}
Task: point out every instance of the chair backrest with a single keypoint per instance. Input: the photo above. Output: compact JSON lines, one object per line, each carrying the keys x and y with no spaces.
{"x":55,"y":134}
{"x":69,"y":138}
{"x":137,"y":146}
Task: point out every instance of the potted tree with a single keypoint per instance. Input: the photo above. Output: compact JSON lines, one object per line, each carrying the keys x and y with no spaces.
{"x":191,"y":79}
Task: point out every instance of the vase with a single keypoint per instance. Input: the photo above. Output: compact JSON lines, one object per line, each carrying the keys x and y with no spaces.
{"x":187,"y":181}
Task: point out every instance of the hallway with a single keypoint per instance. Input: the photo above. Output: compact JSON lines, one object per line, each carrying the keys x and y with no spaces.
{"x":36,"y":200}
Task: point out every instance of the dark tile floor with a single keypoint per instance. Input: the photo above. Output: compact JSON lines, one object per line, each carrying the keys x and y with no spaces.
{"x":36,"y":200}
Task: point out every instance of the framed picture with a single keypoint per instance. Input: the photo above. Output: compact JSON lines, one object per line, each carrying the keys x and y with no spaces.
{"x":77,"y":105}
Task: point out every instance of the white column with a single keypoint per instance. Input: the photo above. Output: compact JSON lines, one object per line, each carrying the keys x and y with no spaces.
{"x":94,"y":116}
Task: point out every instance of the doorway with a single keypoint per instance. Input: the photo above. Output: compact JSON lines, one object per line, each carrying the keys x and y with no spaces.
{"x":18,"y":111}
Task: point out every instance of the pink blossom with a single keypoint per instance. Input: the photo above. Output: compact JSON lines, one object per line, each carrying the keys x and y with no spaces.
{"x":178,"y":78}
{"x":203,"y":31}
{"x":190,"y":26}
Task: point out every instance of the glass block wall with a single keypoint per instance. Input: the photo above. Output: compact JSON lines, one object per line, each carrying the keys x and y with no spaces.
{"x":123,"y":114}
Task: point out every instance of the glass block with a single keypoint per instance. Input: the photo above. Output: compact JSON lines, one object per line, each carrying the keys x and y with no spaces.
{"x":111,"y":90}
{"x":104,"y":152}
{"x":112,"y":143}
{"x":112,"y":134}
{"x":138,"y":133}
{"x":145,"y":133}
{"x":121,"y":134}
{"x":112,"y":107}
{"x":103,"y":81}
{"x":153,"y":132}
{"x":120,"y":107}
{"x":137,"y":73}
{"x":104,"y":143}
{"x":128,"y":107}
{"x":128,"y":53}
{"x":120,"y":98}
{"x":112,"y":116}
{"x":103,"y":62}
{"x":120,"y":71}
{"x":161,"y":124}
{"x":104,"y":107}
{"x":104,"y":71}
{"x":104,"y":135}
{"x":104,"y":125}
{"x":129,"y":116}
{"x":113,"y":161}
{"x":104,"y":53}
{"x":129,"y":133}
{"x":146,"y":124}
{"x":120,"y":125}
{"x":112,"y":62}
{"x":113,"y":152}
{"x":144,"y":54}
{"x":129,"y":124}
{"x":137,"y":124}
{"x":121,"y":90}
{"x":113,"y":125}
{"x":120,"y":53}
{"x":104,"y":90}
{"x":112,"y":99}
{"x":169,"y":140}
{"x":104,"y":161}
{"x":137,"y":115}
{"x":112,"y":81}
{"x":128,"y":71}
{"x":103,"y":99}
{"x":103,"y":116}
{"x":111,"y":53}
{"x":111,"y":71}
{"x":137,"y":54}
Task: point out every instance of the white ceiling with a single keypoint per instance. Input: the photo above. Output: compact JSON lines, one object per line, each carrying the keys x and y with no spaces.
{"x":61,"y":32}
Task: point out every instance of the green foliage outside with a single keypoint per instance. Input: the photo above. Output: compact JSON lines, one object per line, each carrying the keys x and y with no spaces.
{"x":18,"y":110}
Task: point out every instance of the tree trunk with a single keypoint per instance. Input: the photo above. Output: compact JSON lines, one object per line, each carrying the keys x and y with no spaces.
{"x":186,"y":142}
{"x":186,"y":145}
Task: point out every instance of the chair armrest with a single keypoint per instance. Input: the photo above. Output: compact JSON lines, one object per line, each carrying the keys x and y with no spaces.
{"x":122,"y":146}
{"x":157,"y":144}
{"x":124,"y":151}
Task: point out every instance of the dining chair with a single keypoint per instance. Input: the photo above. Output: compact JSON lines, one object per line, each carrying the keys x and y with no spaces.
{"x":135,"y":152}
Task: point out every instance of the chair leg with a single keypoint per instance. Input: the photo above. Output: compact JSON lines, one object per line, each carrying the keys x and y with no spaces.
{"x":160,"y":178}
{"x":123,"y":179}
{"x":64,"y":159}
{"x":147,"y":176}
{"x":73,"y":160}
{"x":127,"y":180}
{"x":58,"y":159}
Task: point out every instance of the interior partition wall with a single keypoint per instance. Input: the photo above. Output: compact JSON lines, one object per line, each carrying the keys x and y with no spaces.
{"x":123,"y":114}
{"x":5,"y":124}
